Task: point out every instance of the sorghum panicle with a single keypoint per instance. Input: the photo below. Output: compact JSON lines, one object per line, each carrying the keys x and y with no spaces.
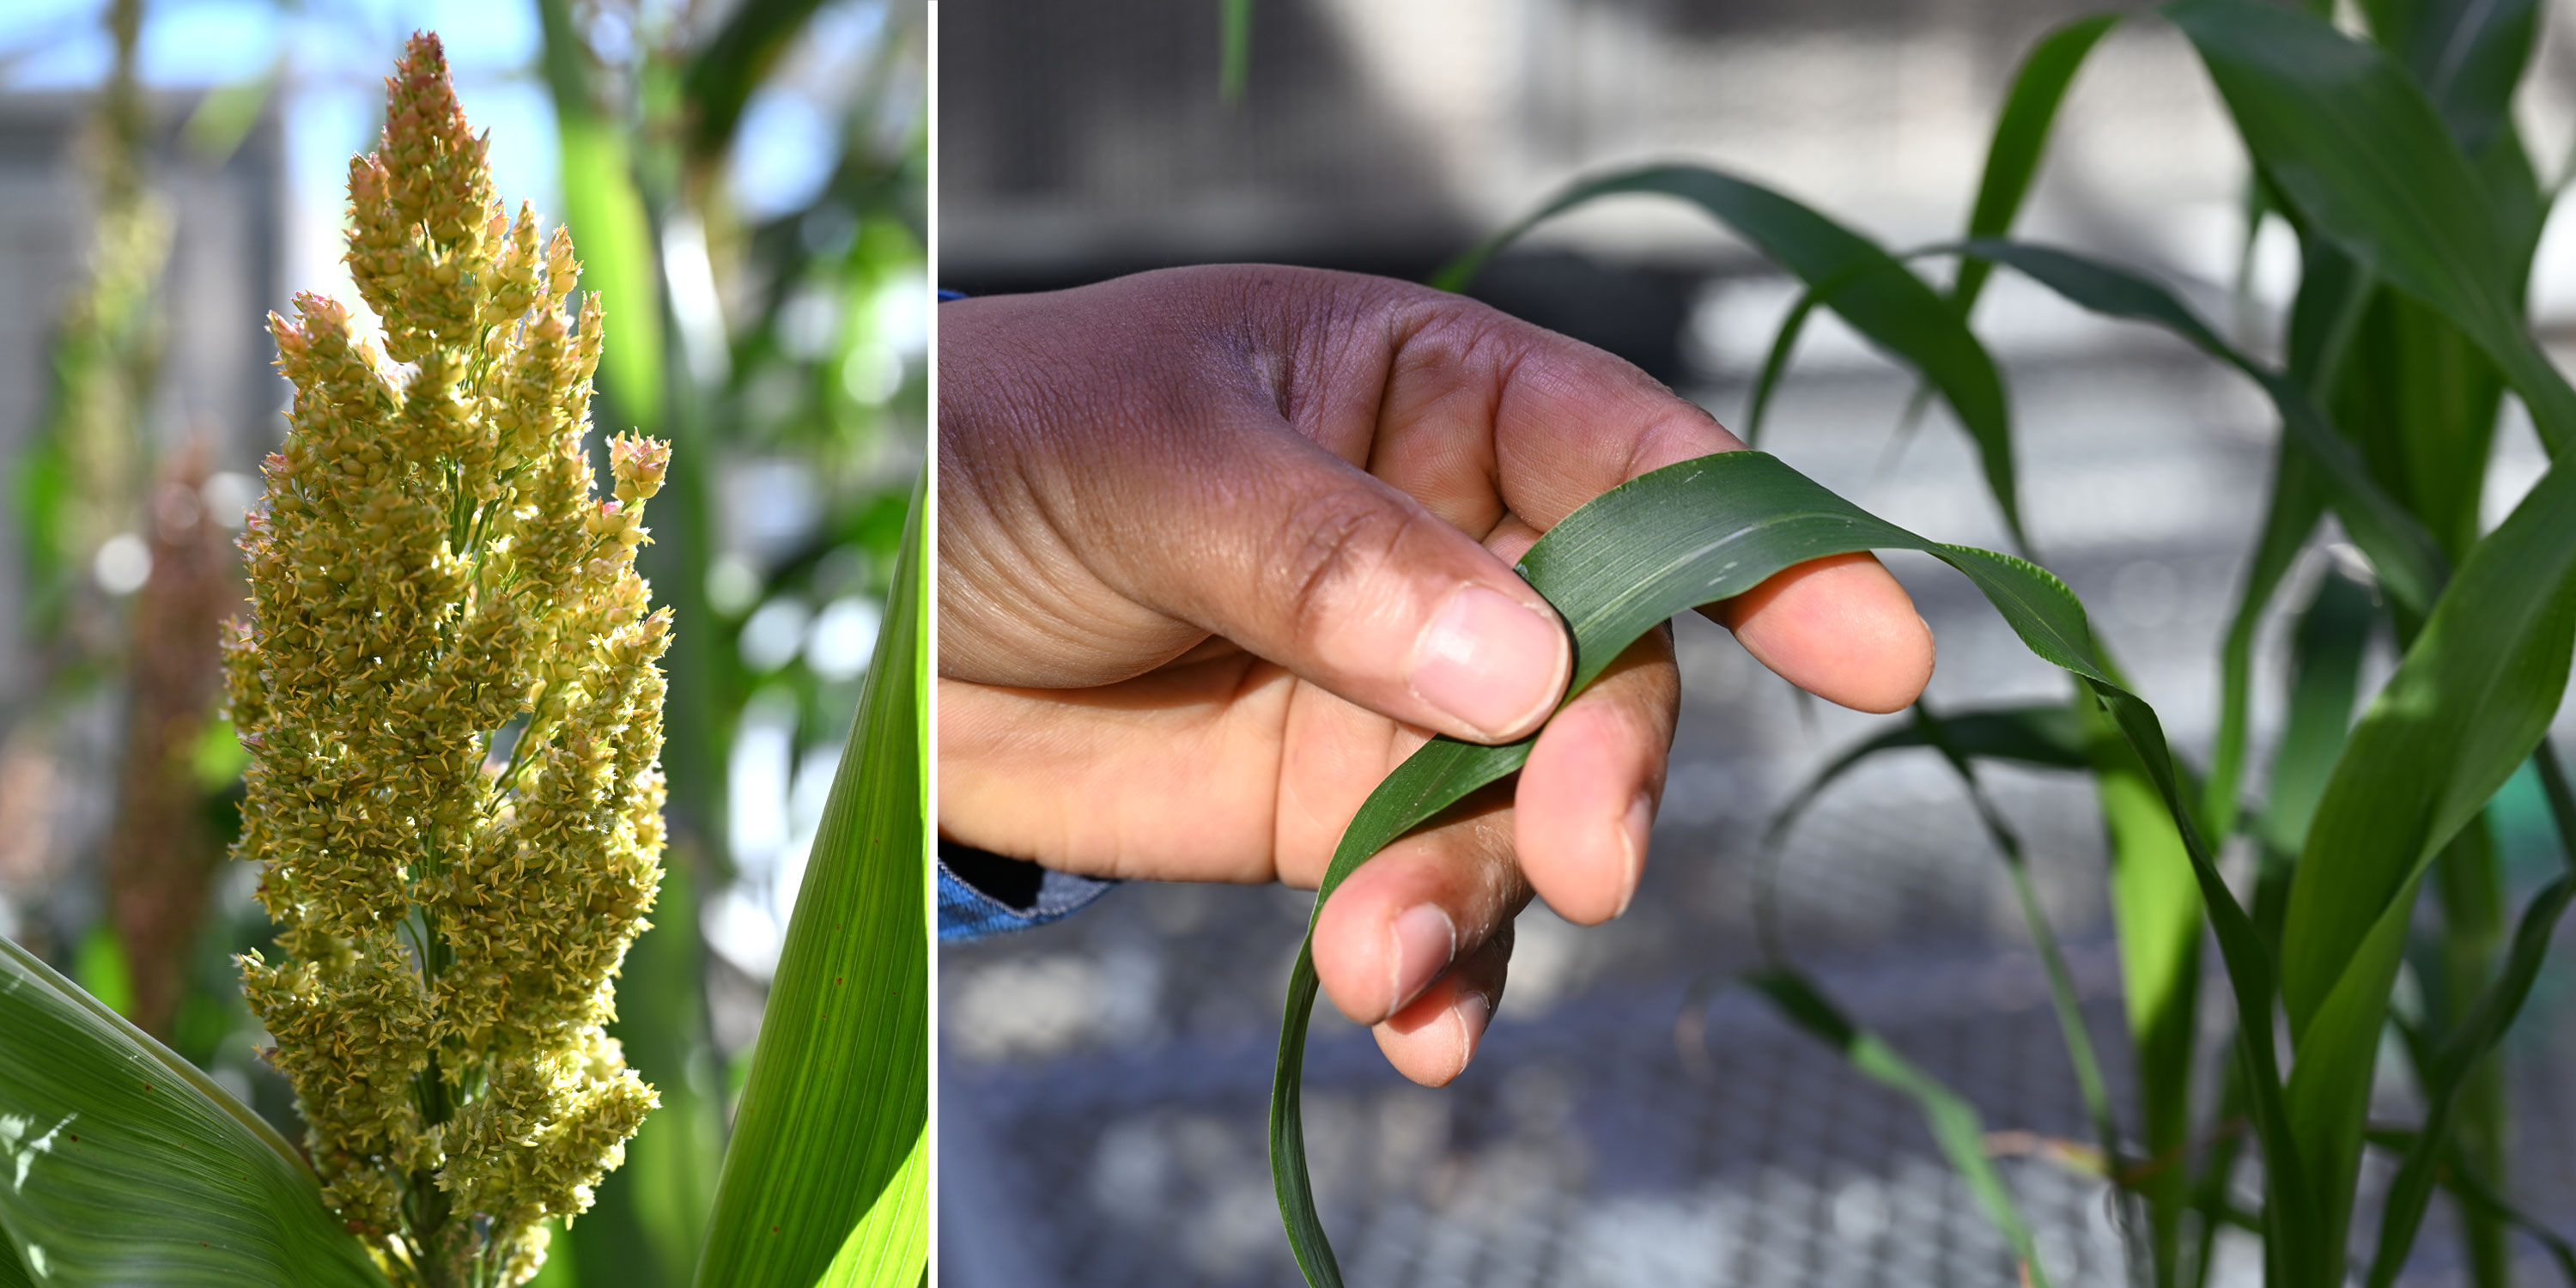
{"x":432,"y":569}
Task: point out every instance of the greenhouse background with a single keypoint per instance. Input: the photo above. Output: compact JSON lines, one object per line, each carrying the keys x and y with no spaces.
{"x":774,"y":329}
{"x":1632,"y":1118}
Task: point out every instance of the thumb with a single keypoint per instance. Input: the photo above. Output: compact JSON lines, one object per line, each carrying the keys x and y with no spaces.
{"x":1350,"y":583}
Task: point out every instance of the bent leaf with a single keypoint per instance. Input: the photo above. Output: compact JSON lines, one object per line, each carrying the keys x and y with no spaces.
{"x":824,"y":1163}
{"x":1693,"y":533}
{"x":120,"y":1163}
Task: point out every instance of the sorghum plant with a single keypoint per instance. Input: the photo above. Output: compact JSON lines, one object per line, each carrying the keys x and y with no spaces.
{"x":431,"y":573}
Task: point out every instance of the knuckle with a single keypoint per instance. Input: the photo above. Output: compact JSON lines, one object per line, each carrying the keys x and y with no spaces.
{"x":1328,"y":549}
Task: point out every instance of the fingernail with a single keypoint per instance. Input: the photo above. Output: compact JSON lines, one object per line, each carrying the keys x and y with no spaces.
{"x":1490,"y":662}
{"x":1473,"y":1011}
{"x":1635,"y":827}
{"x":1425,"y":940}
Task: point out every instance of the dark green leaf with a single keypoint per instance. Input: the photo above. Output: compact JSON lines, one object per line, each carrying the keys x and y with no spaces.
{"x":826,"y":1170}
{"x":120,"y":1163}
{"x":1878,"y":296}
{"x":2467,"y":55}
{"x":721,"y":77}
{"x":2346,"y":136}
{"x":2408,"y":561}
{"x":2042,"y":735}
{"x":2021,"y":138}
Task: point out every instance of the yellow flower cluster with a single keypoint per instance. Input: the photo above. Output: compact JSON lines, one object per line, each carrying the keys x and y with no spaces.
{"x":432,"y":572}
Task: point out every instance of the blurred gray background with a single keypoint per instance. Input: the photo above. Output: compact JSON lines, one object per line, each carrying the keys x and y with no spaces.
{"x":1103,"y":1081}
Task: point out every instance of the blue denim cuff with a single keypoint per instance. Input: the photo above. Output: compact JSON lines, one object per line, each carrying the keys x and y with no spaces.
{"x":982,"y":894}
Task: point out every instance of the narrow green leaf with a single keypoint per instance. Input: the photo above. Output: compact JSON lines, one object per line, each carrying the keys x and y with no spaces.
{"x":2080,"y":1052}
{"x":2021,"y":138}
{"x":2044,"y":736}
{"x":2157,"y":910}
{"x":2041,"y":735}
{"x":2475,"y":1193}
{"x":1234,"y":49}
{"x":826,"y":1141}
{"x":1775,"y":364}
{"x":1878,"y":296}
{"x":2461,"y":1051}
{"x":1956,"y":1128}
{"x":1690,"y":534}
{"x":120,"y":1163}
{"x":2409,"y":562}
{"x":606,"y":213}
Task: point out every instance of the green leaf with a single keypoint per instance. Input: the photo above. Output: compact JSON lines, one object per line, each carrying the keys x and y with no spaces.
{"x":2157,"y":909}
{"x":720,"y":79}
{"x":1690,"y":534}
{"x":1234,"y":49}
{"x":2465,"y":1046}
{"x":2040,"y":735}
{"x":2048,"y":736}
{"x":827,"y":1143}
{"x":2346,"y":136}
{"x":2021,"y":138}
{"x":2409,"y":562}
{"x":2061,"y":981}
{"x":2326,"y":648}
{"x":120,"y":1163}
{"x":2466,"y":54}
{"x":605,"y":211}
{"x":1850,"y":274}
{"x":1955,"y":1126}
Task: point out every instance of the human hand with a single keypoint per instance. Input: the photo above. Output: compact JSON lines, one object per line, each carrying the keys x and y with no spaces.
{"x":1219,"y":547}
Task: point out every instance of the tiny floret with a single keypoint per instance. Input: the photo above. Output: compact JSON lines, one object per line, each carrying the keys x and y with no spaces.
{"x":432,"y":569}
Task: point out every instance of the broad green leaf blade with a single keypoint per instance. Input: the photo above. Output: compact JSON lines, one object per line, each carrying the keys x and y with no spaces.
{"x":1879,"y":297}
{"x":2021,"y":138}
{"x":2466,"y":54}
{"x":12,"y":1274}
{"x":2471,"y":698}
{"x":2346,"y":136}
{"x":1690,"y":534}
{"x":839,"y":1093}
{"x":1955,"y":1126}
{"x":120,"y":1163}
{"x":887,"y":1243}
